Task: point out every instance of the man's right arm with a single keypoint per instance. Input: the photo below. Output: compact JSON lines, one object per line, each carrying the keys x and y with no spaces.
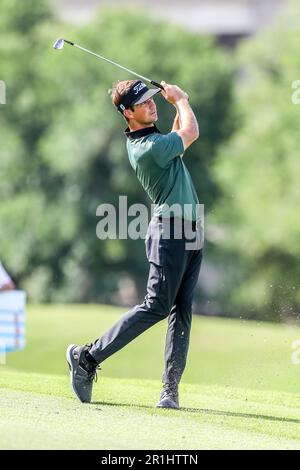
{"x":188,"y":131}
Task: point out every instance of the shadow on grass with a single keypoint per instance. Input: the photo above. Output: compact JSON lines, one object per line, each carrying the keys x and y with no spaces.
{"x":242,"y":415}
{"x":207,"y":411}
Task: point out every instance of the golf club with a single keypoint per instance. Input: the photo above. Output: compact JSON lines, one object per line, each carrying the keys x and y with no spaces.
{"x":59,"y":44}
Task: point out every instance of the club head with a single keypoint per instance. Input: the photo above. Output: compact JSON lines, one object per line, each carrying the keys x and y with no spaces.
{"x":59,"y":44}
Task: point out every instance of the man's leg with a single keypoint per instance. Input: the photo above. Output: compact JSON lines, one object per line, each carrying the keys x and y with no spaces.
{"x":83,"y":360}
{"x":179,"y":322}
{"x":168,"y":261}
{"x":178,"y":334}
{"x":156,"y":306}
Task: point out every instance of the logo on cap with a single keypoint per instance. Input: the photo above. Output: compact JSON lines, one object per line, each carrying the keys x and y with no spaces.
{"x":132,"y":96}
{"x":137,"y":88}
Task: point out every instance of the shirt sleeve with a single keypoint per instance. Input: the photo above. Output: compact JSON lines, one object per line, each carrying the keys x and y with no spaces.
{"x":165,"y":147}
{"x":4,"y":277}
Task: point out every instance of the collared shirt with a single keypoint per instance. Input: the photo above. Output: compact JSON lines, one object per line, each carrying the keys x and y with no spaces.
{"x":156,"y":160}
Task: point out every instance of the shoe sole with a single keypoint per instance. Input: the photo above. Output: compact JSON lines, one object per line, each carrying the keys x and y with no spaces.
{"x":167,"y":405}
{"x":69,"y":361}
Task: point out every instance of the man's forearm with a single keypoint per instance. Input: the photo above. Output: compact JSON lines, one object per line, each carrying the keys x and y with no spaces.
{"x":186,"y":116}
{"x":177,"y":122}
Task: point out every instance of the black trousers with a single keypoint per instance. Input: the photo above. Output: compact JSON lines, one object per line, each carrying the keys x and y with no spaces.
{"x":174,"y":269}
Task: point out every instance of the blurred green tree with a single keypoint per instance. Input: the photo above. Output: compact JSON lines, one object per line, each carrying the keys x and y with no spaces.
{"x":259,"y":173}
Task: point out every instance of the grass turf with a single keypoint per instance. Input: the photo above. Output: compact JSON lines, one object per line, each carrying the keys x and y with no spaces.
{"x":38,"y":411}
{"x":256,"y":404}
{"x":222,"y":351}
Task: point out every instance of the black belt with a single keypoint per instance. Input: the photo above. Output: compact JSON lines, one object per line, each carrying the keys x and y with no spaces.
{"x":192,"y":223}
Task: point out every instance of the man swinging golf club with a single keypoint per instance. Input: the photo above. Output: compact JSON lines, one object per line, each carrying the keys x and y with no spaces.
{"x":173,"y":268}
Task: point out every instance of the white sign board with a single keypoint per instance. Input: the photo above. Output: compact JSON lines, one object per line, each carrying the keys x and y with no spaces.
{"x":12,"y":320}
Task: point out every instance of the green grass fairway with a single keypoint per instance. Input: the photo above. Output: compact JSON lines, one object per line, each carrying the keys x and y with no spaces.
{"x":223,"y":351}
{"x":240,"y":389}
{"x":38,"y":412}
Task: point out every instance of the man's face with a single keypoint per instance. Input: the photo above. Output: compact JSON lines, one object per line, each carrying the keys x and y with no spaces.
{"x":144,"y":113}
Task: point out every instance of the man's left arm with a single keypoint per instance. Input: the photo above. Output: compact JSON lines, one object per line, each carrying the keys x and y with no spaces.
{"x":177,"y":122}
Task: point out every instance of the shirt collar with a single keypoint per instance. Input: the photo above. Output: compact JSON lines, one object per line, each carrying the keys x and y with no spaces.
{"x":131,"y":135}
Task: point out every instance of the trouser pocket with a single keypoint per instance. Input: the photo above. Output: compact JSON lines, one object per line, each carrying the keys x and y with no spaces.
{"x":155,"y":280}
{"x":153,"y":244}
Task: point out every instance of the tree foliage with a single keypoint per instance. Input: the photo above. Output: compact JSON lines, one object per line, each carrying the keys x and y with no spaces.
{"x":259,"y":173}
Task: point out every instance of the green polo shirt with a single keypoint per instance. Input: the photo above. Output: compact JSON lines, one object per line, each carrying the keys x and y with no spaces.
{"x":157,"y":162}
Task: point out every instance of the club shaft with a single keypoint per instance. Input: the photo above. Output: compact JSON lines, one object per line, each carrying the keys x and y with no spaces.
{"x":112,"y":62}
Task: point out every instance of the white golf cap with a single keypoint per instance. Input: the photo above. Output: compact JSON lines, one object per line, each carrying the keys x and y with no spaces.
{"x":146,"y":96}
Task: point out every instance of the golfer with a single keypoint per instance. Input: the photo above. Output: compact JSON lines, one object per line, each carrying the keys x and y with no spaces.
{"x":174,"y":262}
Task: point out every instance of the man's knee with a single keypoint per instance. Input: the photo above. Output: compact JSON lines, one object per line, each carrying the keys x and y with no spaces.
{"x":156,"y":306}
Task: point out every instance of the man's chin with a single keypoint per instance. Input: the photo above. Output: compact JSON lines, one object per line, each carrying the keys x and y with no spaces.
{"x":151,"y":120}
